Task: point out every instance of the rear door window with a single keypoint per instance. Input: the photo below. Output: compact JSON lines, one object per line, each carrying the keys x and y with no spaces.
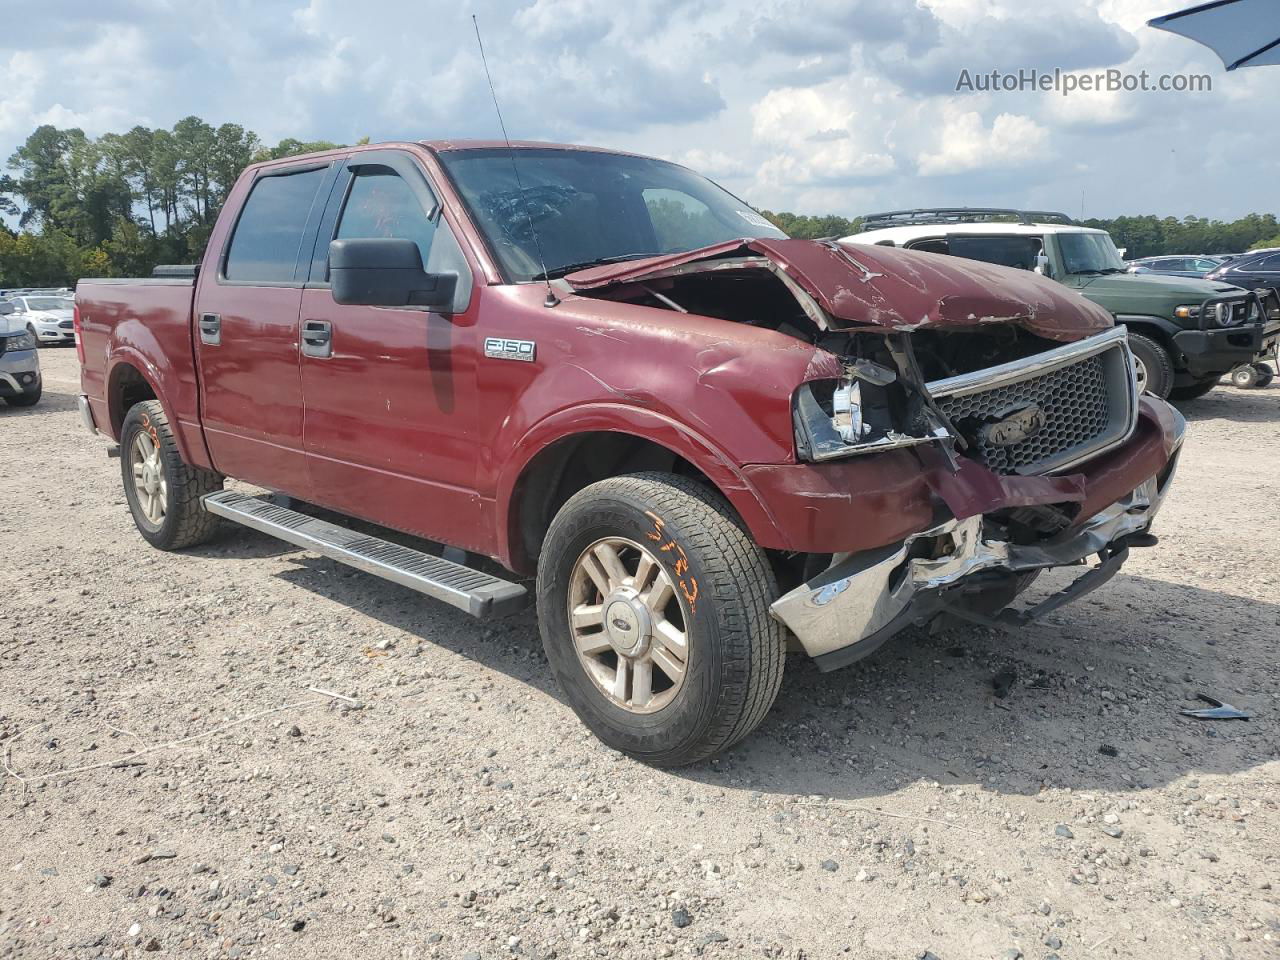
{"x":268,"y":235}
{"x":1019,"y":252}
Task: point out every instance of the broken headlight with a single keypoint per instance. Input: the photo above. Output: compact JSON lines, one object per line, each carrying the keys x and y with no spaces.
{"x":855,"y":415}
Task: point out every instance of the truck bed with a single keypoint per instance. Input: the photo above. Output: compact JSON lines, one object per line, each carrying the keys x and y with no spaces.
{"x":141,"y":327}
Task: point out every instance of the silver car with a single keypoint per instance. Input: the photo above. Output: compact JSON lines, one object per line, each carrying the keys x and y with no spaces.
{"x":19,"y":363}
{"x":48,"y":318}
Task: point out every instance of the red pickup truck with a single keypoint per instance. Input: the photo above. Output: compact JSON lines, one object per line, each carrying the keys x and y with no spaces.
{"x":695,"y":440}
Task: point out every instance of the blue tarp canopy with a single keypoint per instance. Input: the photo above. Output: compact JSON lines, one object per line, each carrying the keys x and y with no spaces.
{"x":1244,"y":33}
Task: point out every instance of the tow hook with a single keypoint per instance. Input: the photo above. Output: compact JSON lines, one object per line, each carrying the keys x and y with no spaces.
{"x":113,"y":452}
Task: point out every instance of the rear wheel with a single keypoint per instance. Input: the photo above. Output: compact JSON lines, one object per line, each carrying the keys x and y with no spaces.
{"x":653,"y":605}
{"x":1265,"y":375}
{"x":1194,"y":391}
{"x":163,"y":492}
{"x":1154,"y":368}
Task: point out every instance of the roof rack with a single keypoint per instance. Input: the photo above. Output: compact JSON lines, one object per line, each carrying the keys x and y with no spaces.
{"x":925,"y":215}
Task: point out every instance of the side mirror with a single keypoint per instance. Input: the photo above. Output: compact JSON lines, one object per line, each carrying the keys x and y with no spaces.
{"x":1042,"y":265}
{"x":386,"y":272}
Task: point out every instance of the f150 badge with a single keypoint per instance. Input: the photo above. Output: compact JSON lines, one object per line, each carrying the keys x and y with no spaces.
{"x":500,"y":348}
{"x":1015,"y":427}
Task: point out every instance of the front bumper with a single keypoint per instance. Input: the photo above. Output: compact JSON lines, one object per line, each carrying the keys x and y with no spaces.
{"x":864,"y":599}
{"x":19,"y":372}
{"x":54,"y":332}
{"x":1209,"y":352}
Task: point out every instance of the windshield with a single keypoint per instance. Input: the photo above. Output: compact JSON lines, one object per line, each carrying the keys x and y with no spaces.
{"x":1089,"y":253}
{"x":47,"y":303}
{"x":590,"y":207}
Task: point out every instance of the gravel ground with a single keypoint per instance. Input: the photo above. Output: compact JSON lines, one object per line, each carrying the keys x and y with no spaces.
{"x":896,"y":809}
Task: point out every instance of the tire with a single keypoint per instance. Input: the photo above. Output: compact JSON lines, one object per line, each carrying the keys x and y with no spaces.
{"x":1244,"y":377}
{"x":1195,"y":390}
{"x":720,"y":586}
{"x":1154,"y":360}
{"x":1265,"y":375}
{"x":181,"y":519}
{"x":28,"y":399}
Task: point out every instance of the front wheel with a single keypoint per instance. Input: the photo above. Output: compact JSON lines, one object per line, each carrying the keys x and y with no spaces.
{"x":1265,"y":375}
{"x":163,"y":491}
{"x":1194,"y":391}
{"x":653,"y":604}
{"x":28,"y":399}
{"x":1154,"y":369}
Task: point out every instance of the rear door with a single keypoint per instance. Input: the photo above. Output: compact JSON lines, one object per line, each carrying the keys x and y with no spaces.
{"x":390,"y":392}
{"x":247,"y":330}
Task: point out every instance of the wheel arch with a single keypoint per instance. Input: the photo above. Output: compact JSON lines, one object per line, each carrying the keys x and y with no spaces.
{"x":560,"y":458}
{"x":131,"y":379}
{"x":1159,"y":329}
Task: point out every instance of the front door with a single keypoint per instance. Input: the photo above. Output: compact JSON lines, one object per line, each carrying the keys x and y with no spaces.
{"x":389,"y":392}
{"x":246,"y":332}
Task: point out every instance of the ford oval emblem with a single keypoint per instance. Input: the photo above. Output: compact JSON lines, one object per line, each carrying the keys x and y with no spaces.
{"x":1015,"y":427}
{"x":622,"y":624}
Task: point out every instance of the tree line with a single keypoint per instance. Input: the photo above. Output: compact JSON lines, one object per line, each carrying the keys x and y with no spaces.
{"x":1142,"y":236}
{"x":119,"y":204}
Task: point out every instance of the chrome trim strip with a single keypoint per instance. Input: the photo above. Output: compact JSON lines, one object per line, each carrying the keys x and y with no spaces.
{"x":1018,"y":370}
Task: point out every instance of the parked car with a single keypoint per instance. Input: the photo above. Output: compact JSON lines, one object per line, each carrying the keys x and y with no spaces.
{"x":698,"y":436}
{"x":49,"y":318}
{"x":1175,"y":266}
{"x":1253,"y":271}
{"x":20,"y":382}
{"x":1185,"y":333}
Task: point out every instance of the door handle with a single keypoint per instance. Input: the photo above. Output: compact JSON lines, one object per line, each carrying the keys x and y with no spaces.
{"x":210,"y":329}
{"x":317,"y":338}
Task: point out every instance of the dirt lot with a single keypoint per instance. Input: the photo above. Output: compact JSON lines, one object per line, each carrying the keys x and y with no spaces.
{"x":460,"y":811}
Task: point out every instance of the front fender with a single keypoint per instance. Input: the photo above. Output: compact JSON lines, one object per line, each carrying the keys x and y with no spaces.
{"x":728,"y":478}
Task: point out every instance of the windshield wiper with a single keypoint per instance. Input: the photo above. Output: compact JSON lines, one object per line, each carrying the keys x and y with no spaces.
{"x":565,"y":268}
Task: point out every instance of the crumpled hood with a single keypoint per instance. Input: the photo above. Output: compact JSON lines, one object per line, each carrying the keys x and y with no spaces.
{"x":873,"y":286}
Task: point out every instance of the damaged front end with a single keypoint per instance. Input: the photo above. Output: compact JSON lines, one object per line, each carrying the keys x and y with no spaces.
{"x":1015,"y":400}
{"x":970,"y":568}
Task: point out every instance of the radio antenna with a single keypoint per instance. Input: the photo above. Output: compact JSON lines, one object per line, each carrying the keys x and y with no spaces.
{"x":552,"y":299}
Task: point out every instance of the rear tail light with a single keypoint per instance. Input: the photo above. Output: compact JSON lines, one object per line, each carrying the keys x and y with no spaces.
{"x":75,"y":321}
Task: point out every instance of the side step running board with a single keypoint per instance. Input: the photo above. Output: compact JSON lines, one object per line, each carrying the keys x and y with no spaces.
{"x":477,"y":593}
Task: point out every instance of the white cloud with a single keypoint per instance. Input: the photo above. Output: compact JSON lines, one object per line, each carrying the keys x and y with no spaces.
{"x":819,"y":106}
{"x":965,"y":144}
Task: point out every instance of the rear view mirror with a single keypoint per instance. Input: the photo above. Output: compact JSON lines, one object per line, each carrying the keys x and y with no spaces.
{"x":386,"y":272}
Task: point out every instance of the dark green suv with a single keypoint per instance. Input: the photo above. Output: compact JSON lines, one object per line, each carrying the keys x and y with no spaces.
{"x":1185,"y":333}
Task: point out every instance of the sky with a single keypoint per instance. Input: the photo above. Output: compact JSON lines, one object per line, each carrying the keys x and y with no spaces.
{"x":820,"y":106}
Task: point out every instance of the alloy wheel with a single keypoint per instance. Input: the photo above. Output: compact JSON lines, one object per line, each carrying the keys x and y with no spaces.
{"x":148,"y":477}
{"x":629,"y":628}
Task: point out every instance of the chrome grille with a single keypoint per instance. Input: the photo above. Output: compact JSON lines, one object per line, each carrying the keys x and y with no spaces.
{"x":1085,"y":396}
